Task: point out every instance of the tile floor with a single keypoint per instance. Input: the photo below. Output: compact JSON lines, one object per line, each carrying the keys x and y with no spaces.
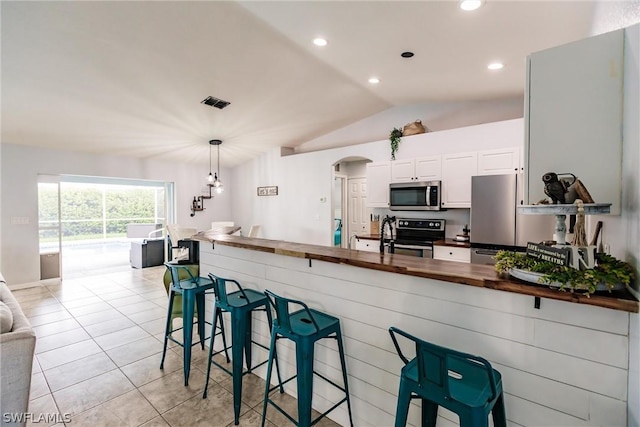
{"x":98,"y":350}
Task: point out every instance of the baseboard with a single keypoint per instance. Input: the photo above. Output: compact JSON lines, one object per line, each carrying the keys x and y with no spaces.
{"x":39,"y":283}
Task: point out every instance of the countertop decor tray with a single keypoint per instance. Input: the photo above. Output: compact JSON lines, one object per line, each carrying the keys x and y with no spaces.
{"x":533,"y":277}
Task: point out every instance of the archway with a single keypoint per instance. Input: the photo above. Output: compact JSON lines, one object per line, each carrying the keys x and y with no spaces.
{"x":348,"y":200}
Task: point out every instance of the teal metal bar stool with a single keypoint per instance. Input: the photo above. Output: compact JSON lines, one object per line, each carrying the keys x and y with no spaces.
{"x":304,"y":327}
{"x":240,"y":304}
{"x":461,"y":382}
{"x":192,"y":288}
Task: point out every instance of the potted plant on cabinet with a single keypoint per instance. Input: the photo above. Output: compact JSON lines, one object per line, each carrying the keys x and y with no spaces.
{"x":394,"y":138}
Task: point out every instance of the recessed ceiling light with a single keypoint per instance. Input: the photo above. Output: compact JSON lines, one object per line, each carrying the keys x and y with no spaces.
{"x":495,"y":66}
{"x":407,"y":54}
{"x":469,"y":5}
{"x":320,"y":41}
{"x":374,"y":80}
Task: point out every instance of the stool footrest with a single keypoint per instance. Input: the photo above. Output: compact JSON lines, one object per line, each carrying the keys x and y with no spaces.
{"x":227,"y":348}
{"x":289,"y":417}
{"x":181,"y":344}
{"x":313,"y":422}
{"x":339,"y":387}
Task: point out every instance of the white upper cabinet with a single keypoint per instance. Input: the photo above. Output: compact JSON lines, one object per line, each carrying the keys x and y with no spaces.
{"x":417,"y":169}
{"x":429,"y":168}
{"x":403,"y":170}
{"x":499,"y":162}
{"x":457,"y":170}
{"x":378,"y":179}
{"x":573,"y":115}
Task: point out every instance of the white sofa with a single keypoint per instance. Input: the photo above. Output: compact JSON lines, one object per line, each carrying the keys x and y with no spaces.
{"x":16,"y":359}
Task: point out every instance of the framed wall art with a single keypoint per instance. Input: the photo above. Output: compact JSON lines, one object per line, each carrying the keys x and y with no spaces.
{"x":271,"y":190}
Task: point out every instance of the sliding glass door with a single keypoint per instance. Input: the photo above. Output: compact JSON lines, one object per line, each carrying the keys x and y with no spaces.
{"x":89,"y":223}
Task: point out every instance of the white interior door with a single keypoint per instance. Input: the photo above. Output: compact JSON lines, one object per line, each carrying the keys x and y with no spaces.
{"x":359,"y":214}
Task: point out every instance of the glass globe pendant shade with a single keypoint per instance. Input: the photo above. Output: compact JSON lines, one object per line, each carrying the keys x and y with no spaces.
{"x":217,"y":184}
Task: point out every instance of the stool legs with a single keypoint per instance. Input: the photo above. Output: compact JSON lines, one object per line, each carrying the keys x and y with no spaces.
{"x":402,"y":409}
{"x":344,"y":374}
{"x":188,"y":302}
{"x":167,"y":328}
{"x":498,"y":412}
{"x":304,"y":368}
{"x":429,"y":413}
{"x":247,"y":339}
{"x":217,"y":315}
{"x":272,"y":356}
{"x":305,"y":349}
{"x":201,"y":323}
{"x":240,"y":327}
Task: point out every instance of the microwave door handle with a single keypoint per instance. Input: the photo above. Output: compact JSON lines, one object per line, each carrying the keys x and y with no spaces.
{"x":428,"y":196}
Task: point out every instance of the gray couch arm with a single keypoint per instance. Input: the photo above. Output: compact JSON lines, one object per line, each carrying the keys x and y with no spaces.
{"x":16,"y":361}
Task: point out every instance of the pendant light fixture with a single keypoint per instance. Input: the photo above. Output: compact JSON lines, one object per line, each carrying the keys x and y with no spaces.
{"x":215,"y":181}
{"x":210,"y":177}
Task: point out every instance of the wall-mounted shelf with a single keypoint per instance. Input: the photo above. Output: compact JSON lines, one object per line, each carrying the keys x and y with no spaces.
{"x":197,"y":205}
{"x":561,"y":212}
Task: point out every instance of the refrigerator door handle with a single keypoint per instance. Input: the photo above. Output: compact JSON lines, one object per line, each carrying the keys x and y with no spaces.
{"x":485,"y":252}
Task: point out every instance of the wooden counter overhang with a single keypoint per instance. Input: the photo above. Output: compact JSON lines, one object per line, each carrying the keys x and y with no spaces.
{"x":456,"y":272}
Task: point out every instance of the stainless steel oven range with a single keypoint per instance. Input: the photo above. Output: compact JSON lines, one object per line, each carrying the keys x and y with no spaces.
{"x":416,"y":236}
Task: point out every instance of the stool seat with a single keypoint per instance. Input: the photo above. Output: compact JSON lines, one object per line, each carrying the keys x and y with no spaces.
{"x":463,"y":383}
{"x":302,"y":323}
{"x":304,"y":327}
{"x":241,"y":299}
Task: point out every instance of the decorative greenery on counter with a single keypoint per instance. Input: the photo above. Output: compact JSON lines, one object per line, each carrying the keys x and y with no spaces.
{"x":394,"y":137}
{"x":608,"y":270}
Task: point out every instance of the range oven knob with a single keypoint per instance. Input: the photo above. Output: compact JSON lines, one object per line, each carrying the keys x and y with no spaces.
{"x":430,"y":224}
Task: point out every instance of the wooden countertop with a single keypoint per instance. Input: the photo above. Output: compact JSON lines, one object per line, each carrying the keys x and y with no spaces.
{"x":455,"y":272}
{"x":368,"y":236}
{"x":452,"y":243}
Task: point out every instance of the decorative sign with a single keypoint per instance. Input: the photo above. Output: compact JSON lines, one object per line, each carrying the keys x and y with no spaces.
{"x":268,"y":191}
{"x":560,"y":256}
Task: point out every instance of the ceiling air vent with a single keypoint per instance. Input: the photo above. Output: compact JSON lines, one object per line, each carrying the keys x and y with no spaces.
{"x":215,"y":102}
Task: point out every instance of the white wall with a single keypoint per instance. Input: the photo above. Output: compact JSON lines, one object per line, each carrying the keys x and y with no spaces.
{"x":297,"y":213}
{"x":20,"y":262}
{"x":437,"y":116}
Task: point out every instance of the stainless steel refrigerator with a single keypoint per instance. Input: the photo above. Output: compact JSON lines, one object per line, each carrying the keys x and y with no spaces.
{"x":495,"y":223}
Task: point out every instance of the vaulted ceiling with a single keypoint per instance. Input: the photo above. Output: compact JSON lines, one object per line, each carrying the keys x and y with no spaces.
{"x":128,"y":78}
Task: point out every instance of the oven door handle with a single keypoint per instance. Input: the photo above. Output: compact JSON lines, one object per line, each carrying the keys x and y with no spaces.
{"x":491,"y":252}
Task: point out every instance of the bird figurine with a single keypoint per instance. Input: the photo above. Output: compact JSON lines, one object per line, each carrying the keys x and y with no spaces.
{"x":554,"y":188}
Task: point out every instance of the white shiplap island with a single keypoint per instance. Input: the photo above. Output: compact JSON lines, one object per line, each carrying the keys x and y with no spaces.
{"x":564,"y":364}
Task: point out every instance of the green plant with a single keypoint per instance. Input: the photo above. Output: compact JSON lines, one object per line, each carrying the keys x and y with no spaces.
{"x":608,"y":270}
{"x":394,"y":137}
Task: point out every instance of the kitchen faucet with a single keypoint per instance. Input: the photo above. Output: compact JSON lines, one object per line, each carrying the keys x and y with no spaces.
{"x":388,"y":220}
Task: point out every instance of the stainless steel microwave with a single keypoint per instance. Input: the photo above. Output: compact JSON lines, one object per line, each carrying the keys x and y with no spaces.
{"x":415,"y":196}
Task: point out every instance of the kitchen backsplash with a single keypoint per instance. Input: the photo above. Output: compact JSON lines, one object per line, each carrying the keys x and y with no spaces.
{"x":456,"y":218}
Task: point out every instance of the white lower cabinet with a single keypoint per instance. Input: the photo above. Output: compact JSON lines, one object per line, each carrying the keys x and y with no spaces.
{"x":368,"y":245}
{"x":449,"y":253}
